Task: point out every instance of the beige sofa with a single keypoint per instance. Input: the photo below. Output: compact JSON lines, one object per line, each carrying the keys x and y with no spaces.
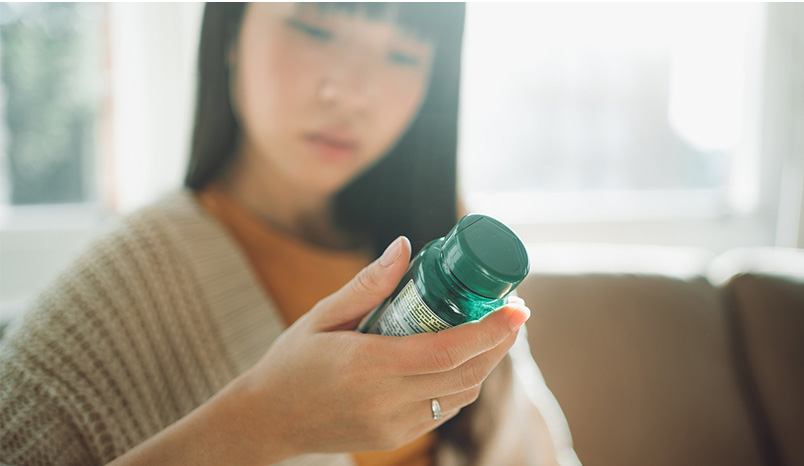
{"x":665,"y":356}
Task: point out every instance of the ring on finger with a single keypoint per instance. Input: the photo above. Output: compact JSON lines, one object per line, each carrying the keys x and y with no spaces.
{"x":435,"y":406}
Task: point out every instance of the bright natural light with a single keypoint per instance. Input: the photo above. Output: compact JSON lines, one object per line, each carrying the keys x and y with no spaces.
{"x":595,"y":103}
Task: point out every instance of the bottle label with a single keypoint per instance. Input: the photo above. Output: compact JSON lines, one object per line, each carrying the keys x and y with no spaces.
{"x":407,"y":314}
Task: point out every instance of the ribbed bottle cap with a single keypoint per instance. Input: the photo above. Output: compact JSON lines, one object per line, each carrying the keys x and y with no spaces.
{"x":485,"y":256}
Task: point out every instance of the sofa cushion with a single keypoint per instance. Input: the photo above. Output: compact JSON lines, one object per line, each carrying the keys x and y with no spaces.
{"x":765,"y":298}
{"x":641,"y":367}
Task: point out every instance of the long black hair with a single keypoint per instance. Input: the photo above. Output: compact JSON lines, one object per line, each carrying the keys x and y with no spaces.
{"x":412,"y":190}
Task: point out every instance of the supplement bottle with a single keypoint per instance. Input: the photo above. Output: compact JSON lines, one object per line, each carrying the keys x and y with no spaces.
{"x":455,"y":279}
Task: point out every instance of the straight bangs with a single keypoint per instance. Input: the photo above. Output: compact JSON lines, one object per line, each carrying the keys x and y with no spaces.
{"x":423,"y":21}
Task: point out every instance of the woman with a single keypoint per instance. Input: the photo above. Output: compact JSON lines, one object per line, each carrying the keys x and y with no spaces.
{"x":216,"y":326}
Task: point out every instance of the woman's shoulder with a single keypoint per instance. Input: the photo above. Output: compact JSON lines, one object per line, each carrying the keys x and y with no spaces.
{"x":136,"y":283}
{"x":169,"y":267}
{"x":125,"y":329}
{"x":137,"y":262}
{"x":163,"y":231}
{"x":175,"y":213}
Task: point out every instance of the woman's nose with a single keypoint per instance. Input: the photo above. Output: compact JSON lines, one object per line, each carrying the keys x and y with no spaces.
{"x":350,"y":84}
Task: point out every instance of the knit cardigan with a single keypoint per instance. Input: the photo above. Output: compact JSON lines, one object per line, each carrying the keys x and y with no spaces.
{"x":162,"y":312}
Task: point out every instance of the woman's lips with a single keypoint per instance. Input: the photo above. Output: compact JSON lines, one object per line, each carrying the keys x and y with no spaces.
{"x":332,"y":149}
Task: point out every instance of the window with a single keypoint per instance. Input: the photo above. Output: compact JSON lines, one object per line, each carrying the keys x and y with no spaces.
{"x":95,"y":112}
{"x":52,"y":83}
{"x":604,"y":112}
{"x":54,"y":140}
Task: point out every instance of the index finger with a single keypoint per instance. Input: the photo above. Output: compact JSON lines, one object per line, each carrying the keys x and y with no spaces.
{"x":428,"y":353}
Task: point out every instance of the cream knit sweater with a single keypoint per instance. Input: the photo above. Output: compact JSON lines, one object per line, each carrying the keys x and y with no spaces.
{"x":161,"y":313}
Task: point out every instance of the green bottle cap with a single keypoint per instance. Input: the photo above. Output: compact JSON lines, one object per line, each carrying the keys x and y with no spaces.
{"x":485,"y":256}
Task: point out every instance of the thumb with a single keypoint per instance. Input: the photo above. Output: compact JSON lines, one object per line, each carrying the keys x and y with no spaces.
{"x":346,"y":307}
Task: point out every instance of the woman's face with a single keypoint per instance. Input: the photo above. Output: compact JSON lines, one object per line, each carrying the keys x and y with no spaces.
{"x":321,"y":96}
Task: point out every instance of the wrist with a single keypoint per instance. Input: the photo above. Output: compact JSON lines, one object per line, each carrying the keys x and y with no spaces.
{"x":227,"y":429}
{"x":259,"y":435}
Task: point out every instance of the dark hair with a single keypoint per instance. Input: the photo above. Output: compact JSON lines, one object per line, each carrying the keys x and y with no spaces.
{"x":412,"y":190}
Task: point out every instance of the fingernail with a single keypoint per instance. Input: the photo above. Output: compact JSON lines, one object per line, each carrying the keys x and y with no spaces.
{"x":519,"y":317}
{"x":391,"y":253}
{"x":516,"y":299}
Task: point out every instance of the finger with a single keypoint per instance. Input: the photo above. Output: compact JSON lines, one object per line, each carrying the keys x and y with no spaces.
{"x":420,"y":414}
{"x":344,"y":308}
{"x":424,"y":427}
{"x":515,"y":299}
{"x":464,"y":377}
{"x":449,"y":403}
{"x":429,"y":353}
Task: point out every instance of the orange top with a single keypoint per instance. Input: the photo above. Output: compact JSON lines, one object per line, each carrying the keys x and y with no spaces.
{"x":297,"y":275}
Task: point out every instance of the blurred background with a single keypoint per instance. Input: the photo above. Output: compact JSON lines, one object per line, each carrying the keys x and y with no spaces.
{"x":674,"y":126}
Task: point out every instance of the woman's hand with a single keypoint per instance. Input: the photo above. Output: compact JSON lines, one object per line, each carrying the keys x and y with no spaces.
{"x":322,"y":387}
